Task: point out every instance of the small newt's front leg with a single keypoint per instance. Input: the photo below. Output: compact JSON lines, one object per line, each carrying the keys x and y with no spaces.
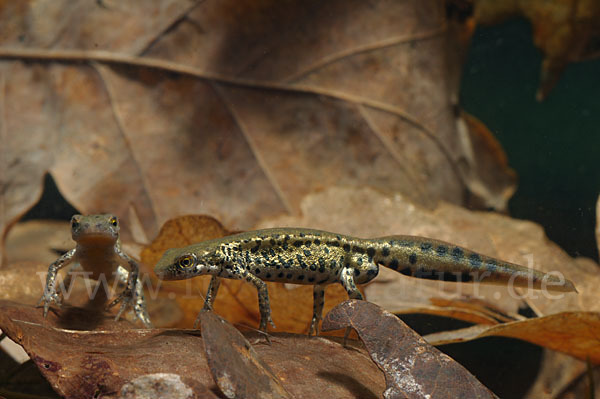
{"x":50,"y":294}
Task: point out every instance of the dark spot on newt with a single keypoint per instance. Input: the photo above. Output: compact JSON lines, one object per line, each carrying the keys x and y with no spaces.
{"x":257,"y":271}
{"x":475,"y":260}
{"x":358,"y":249}
{"x":425,"y":274}
{"x":289,"y":276}
{"x":347,"y":247}
{"x":268,"y":275}
{"x":307,"y":252}
{"x":280,"y":275}
{"x":311,"y":279}
{"x":442,"y":250}
{"x":300,"y":277}
{"x":385,"y":251}
{"x":394,"y":264}
{"x":491,"y":265}
{"x":297,"y":244}
{"x":302,"y":235}
{"x":425,"y":246}
{"x":317,"y":241}
{"x":313,"y":267}
{"x":412,"y":258}
{"x":371,"y":252}
{"x":457,"y":253}
{"x":307,"y":243}
{"x":356,"y":272}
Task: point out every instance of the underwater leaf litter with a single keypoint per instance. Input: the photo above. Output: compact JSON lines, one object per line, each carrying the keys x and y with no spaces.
{"x":153,"y":109}
{"x":114,"y":359}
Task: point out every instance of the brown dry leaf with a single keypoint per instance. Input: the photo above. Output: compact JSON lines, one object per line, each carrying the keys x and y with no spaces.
{"x":238,"y":109}
{"x":114,"y":361}
{"x":236,"y":367}
{"x":566,"y":30}
{"x":237,"y":301}
{"x":492,"y":234}
{"x":413,"y":369}
{"x":575,"y":333}
{"x":555,"y":378}
{"x":484,"y":162}
{"x":38,"y":241}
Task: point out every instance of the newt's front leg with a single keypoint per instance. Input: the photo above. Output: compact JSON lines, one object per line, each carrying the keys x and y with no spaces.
{"x":50,"y":294}
{"x":263,"y":296}
{"x":211,"y":294}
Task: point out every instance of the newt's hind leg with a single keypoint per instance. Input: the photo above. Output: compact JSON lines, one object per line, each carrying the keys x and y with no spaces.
{"x":318,"y":302}
{"x":133,"y":295}
{"x":347,"y":280}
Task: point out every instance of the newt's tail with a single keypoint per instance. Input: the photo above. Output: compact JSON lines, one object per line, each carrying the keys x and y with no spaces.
{"x":437,"y":260}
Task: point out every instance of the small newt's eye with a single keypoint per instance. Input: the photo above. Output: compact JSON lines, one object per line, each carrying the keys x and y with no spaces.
{"x":114,"y":221}
{"x":186,"y":261}
{"x":74,"y":223}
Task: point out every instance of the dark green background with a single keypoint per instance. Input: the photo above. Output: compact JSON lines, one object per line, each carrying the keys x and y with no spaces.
{"x":554,"y":145}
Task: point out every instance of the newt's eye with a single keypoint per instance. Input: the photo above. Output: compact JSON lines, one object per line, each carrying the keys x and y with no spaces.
{"x":74,"y":224}
{"x":186,"y":261}
{"x":114,"y":221}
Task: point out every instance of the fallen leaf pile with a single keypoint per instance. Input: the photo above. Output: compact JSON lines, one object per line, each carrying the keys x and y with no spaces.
{"x":241,"y":114}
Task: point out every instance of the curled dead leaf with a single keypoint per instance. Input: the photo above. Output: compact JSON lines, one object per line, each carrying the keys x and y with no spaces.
{"x":566,"y":31}
{"x":413,"y":368}
{"x":574,"y":333}
{"x":236,"y":367}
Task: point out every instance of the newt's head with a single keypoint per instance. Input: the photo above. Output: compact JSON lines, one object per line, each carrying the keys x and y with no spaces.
{"x":180,"y":263}
{"x":93,"y":230}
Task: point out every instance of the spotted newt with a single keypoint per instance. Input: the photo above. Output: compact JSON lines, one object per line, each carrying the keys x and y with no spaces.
{"x":306,"y":256}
